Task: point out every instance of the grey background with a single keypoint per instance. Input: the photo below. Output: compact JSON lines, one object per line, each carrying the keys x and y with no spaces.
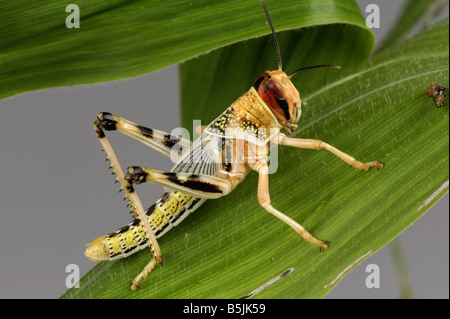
{"x":56,"y":194}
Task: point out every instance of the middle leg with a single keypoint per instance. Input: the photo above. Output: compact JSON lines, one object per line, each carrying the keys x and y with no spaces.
{"x":264,"y":200}
{"x":198,"y":185}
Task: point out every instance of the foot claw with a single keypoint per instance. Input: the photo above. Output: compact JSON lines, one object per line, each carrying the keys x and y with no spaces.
{"x":134,"y":285}
{"x":379,"y":165}
{"x":160,"y":260}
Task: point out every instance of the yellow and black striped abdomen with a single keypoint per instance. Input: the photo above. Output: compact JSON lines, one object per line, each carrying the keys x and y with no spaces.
{"x":167,"y":212}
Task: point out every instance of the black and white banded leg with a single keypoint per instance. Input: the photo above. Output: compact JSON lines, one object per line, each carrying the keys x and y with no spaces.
{"x":99,"y":125}
{"x":198,"y":185}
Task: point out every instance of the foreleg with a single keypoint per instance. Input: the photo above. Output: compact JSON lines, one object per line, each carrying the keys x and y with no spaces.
{"x":319,"y":145}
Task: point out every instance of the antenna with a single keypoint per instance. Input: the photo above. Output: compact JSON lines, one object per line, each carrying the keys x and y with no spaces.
{"x":314,"y":67}
{"x":280,"y":65}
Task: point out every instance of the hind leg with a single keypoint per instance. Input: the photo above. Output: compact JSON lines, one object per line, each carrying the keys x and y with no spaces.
{"x":130,"y":194}
{"x":143,"y":274}
{"x":157,"y":140}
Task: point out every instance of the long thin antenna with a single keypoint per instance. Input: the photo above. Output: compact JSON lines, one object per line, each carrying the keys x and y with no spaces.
{"x":280,"y":64}
{"x":314,"y":67}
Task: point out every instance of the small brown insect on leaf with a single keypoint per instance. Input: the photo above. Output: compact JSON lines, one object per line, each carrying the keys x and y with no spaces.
{"x":436,"y":91}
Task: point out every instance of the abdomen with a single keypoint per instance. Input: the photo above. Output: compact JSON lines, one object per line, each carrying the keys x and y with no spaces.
{"x":167,"y":212}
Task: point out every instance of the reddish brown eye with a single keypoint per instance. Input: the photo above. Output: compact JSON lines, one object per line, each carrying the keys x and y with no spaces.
{"x":276,"y":90}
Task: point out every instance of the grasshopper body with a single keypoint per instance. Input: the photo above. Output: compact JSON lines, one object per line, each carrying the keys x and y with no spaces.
{"x":229,"y":148}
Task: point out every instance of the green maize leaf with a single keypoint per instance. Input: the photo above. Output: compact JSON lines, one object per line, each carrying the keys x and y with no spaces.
{"x":125,"y":38}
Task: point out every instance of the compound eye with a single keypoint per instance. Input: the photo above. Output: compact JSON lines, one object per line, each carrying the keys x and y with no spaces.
{"x":276,"y":90}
